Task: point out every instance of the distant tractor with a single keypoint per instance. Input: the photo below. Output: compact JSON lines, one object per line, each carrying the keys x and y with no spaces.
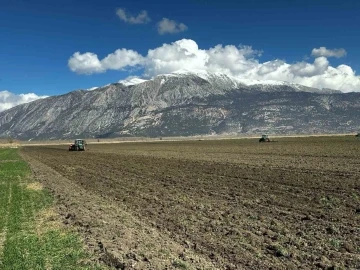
{"x":78,"y":145}
{"x":264,"y":138}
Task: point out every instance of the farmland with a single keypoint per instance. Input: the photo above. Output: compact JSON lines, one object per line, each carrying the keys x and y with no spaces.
{"x":225,"y":204}
{"x":31,"y":234}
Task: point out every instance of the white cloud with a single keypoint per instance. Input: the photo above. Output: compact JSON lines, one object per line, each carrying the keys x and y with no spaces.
{"x":237,"y":61}
{"x":167,"y":26}
{"x":269,"y":67}
{"x":171,"y":57}
{"x":322,"y":51}
{"x":141,"y":18}
{"x":304,"y":69}
{"x":121,"y":58}
{"x":89,"y":63}
{"x":231,"y":59}
{"x":86,"y":63}
{"x":9,"y":100}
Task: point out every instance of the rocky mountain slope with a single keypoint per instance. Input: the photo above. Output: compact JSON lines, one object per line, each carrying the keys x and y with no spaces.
{"x":185,"y":103}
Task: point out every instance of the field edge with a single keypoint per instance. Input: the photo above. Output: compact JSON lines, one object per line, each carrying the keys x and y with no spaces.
{"x":31,"y":233}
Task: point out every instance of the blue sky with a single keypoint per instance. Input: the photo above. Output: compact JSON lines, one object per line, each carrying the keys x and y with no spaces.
{"x":38,"y":37}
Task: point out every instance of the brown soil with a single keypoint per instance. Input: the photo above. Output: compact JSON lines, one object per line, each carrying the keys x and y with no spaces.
{"x":232,"y":204}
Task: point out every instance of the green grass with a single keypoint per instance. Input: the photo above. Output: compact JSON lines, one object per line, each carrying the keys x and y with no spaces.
{"x":22,"y":246}
{"x":335,"y":243}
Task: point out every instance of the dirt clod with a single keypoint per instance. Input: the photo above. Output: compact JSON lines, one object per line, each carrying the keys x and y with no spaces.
{"x":349,"y":247}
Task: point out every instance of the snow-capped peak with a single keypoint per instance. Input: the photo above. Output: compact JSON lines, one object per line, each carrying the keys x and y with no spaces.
{"x":198,"y":72}
{"x":223,"y":81}
{"x":207,"y":75}
{"x":132,"y":81}
{"x":236,"y":80}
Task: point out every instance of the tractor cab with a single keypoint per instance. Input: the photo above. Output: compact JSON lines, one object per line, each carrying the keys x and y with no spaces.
{"x":264,"y":138}
{"x":80,"y":142}
{"x":78,"y":145}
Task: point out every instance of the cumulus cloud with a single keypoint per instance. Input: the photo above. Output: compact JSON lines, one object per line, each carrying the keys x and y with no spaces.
{"x":231,"y":59}
{"x":167,"y":26}
{"x":171,"y":57}
{"x":269,"y":67}
{"x":322,"y":51}
{"x":86,"y":63}
{"x":121,"y":58}
{"x":304,"y":69}
{"x":89,"y":63}
{"x":9,"y":100}
{"x":141,"y":18}
{"x":237,"y":61}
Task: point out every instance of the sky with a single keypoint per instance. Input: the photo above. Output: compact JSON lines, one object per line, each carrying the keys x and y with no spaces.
{"x":53,"y":47}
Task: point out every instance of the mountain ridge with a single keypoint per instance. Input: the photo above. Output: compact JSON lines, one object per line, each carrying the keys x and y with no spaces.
{"x":184,"y":104}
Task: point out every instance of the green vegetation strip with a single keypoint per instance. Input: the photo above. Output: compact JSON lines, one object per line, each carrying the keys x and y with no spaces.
{"x":31,"y":237}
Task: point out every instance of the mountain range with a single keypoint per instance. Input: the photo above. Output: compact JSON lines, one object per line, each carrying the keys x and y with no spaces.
{"x":185,"y":103}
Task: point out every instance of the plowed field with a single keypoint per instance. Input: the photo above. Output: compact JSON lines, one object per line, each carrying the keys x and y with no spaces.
{"x":229,"y":204}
